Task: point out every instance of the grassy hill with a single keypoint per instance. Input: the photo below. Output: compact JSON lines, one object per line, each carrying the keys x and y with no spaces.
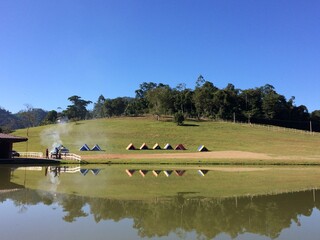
{"x":113,"y":135}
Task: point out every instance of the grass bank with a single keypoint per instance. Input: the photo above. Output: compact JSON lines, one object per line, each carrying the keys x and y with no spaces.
{"x":281,"y":146}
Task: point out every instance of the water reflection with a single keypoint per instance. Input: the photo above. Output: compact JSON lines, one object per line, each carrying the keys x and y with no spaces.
{"x":159,"y":217}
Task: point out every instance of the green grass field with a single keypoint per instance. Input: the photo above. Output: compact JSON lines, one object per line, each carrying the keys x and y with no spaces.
{"x":113,"y":135}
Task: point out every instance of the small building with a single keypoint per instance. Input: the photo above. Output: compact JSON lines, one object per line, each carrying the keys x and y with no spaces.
{"x":6,"y":143}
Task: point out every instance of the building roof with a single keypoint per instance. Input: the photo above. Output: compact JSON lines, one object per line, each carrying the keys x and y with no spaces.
{"x":11,"y":138}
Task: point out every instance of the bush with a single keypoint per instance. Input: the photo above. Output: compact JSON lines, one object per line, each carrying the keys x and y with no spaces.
{"x":178,"y":118}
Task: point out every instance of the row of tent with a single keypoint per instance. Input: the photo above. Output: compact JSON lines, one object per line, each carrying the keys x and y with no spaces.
{"x":85,"y":147}
{"x":167,"y":173}
{"x":144,"y":146}
{"x":156,"y":147}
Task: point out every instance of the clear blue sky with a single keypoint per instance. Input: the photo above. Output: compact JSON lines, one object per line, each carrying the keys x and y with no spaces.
{"x":51,"y":50}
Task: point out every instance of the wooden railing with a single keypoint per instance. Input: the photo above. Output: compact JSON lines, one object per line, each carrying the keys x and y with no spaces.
{"x":31,"y":154}
{"x":65,"y":156}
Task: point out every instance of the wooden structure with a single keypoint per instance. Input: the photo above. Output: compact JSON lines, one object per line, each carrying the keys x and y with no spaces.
{"x":6,"y":142}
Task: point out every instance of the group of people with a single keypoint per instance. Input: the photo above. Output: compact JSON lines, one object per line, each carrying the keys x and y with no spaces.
{"x":56,"y":153}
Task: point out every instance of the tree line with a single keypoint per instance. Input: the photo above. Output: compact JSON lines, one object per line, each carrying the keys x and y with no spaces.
{"x":206,"y":101}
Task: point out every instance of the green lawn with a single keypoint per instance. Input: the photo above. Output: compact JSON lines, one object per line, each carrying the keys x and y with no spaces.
{"x":113,"y":135}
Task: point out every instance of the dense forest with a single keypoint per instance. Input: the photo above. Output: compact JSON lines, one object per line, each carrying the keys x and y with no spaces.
{"x":206,"y":101}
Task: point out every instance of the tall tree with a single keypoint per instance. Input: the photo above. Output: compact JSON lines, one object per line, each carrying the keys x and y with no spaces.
{"x":99,"y":110}
{"x":203,"y":99}
{"x":77,"y":110}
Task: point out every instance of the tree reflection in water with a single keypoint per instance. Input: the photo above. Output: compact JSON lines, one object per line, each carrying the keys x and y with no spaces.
{"x":263,"y":215}
{"x":208,"y":217}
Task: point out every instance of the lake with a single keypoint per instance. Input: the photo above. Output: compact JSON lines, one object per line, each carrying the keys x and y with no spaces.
{"x":159,"y":202}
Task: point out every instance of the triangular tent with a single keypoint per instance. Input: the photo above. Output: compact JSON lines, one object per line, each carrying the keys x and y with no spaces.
{"x":130,"y":172}
{"x":144,"y":146}
{"x":131,"y":147}
{"x":156,"y":147}
{"x":203,"y":172}
{"x":168,"y":147}
{"x":95,"y":171}
{"x":202,"y":148}
{"x":179,"y":172}
{"x":167,"y":172}
{"x":84,"y":171}
{"x":85,"y":148}
{"x":156,"y":172}
{"x":96,"y":148}
{"x":179,"y":147}
{"x":143,"y":172}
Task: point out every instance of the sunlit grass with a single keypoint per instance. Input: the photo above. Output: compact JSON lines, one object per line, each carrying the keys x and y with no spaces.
{"x":114,"y":134}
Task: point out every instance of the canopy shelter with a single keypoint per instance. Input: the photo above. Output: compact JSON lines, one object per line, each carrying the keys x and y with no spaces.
{"x":6,"y":142}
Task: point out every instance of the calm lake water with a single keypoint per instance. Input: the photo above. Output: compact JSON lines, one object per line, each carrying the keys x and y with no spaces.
{"x":132,"y":202}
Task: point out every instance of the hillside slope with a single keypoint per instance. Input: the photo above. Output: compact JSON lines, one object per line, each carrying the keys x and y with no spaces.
{"x":113,"y":135}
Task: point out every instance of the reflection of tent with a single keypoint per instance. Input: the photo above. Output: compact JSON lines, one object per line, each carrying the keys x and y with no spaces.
{"x":95,"y":171}
{"x":168,"y":147}
{"x":179,"y":172}
{"x":179,"y":147}
{"x":167,"y":172}
{"x":130,"y":172}
{"x":131,"y":147}
{"x":203,"y":172}
{"x":156,"y":172}
{"x":96,"y":148}
{"x":85,"y":148}
{"x":143,"y":172}
{"x":202,"y":148}
{"x":156,"y":147}
{"x":84,"y":171}
{"x":144,"y":146}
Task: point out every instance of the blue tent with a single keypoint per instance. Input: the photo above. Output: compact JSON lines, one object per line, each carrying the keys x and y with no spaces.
{"x":85,"y":148}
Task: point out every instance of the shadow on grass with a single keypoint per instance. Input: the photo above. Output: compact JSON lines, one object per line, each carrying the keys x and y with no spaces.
{"x":189,"y":125}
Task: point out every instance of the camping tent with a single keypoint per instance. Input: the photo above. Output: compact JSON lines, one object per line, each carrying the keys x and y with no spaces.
{"x":143,"y":172}
{"x":203,"y":172}
{"x":156,"y":172}
{"x":167,"y":172}
{"x":85,"y":148}
{"x":144,"y":146}
{"x":156,"y":147}
{"x":131,"y":147}
{"x":96,"y":148}
{"x":202,"y":148}
{"x":179,"y":147}
{"x":130,"y":172}
{"x":95,"y":171}
{"x":179,"y":172}
{"x":84,"y":171}
{"x":168,"y":147}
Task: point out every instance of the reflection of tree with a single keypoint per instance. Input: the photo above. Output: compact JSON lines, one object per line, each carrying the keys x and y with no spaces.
{"x":264,"y":215}
{"x":73,"y":206}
